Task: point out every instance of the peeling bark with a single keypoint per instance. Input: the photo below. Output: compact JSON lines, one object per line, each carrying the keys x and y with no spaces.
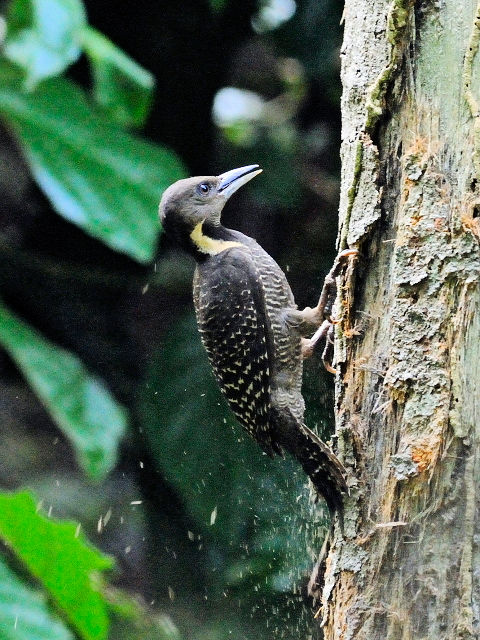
{"x":408,"y":345}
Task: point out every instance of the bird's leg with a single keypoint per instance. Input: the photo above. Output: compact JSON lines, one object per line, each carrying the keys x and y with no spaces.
{"x":309,"y":344}
{"x":323,"y":310}
{"x":327,"y":355}
{"x":326,"y":330}
{"x":320,"y":316}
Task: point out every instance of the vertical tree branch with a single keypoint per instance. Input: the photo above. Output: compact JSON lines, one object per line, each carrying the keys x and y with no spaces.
{"x":408,"y":395}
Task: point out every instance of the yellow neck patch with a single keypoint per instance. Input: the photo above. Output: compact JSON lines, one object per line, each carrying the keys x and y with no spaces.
{"x":212,"y":246}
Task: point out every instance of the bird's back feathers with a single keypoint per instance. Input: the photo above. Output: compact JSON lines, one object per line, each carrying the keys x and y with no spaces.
{"x":230,"y":309}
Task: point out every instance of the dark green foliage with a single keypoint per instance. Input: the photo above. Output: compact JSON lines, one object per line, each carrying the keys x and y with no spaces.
{"x":44,"y":36}
{"x":239,"y":498}
{"x":68,"y":97}
{"x":108,"y":183}
{"x":78,"y":402}
{"x":121,"y":86}
{"x":24,"y":613}
{"x":71,"y":573}
{"x":57,"y":555}
{"x":95,"y":174}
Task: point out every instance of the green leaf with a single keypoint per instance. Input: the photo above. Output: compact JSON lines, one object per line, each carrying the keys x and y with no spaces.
{"x":78,"y":402}
{"x":238,"y":496}
{"x":122,"y":87}
{"x":61,"y":559}
{"x":43,"y":36}
{"x":24,"y":614}
{"x":96,"y":175}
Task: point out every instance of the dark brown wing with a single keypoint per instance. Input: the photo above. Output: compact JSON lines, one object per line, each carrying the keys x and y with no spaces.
{"x":231,"y":318}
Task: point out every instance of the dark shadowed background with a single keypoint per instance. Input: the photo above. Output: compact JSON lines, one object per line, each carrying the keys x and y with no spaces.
{"x":203,"y":528}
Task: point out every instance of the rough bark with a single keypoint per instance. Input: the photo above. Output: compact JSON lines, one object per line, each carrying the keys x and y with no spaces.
{"x":408,"y":345}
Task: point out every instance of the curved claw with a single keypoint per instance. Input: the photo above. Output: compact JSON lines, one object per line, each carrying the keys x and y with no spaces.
{"x":348,"y":252}
{"x":329,"y":368}
{"x":322,"y":311}
{"x":327,"y":355}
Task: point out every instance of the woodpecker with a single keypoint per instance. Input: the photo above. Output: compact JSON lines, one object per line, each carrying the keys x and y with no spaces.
{"x":250,"y":325}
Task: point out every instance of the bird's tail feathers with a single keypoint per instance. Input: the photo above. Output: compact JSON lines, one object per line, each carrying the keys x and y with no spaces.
{"x":317,"y":459}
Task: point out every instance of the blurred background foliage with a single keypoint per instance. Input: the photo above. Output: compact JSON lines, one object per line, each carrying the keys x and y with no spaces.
{"x":131,"y":505}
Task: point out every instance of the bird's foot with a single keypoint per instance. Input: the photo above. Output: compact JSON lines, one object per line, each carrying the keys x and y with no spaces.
{"x":315,"y":316}
{"x":329,"y":290}
{"x":309,"y":344}
{"x":328,"y":352}
{"x":321,"y":315}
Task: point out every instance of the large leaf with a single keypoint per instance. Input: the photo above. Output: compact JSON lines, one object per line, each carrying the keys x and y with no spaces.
{"x":78,"y":401}
{"x":238,"y":497}
{"x":24,"y":614}
{"x":121,"y":87}
{"x":96,"y":175}
{"x":43,"y":36}
{"x":59,"y":557}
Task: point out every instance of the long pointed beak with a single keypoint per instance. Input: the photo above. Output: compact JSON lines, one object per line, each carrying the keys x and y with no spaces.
{"x":232,"y":180}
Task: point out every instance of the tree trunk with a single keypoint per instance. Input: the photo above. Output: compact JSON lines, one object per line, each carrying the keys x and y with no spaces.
{"x":408,"y":345}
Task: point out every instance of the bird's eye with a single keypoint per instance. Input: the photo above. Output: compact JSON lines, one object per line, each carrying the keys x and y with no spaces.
{"x":204,"y":188}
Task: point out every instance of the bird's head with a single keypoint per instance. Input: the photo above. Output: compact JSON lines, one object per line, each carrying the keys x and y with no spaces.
{"x":194,"y":205}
